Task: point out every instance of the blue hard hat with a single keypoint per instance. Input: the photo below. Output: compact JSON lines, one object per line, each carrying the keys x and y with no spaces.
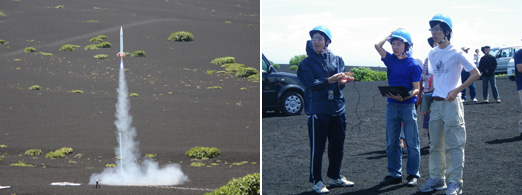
{"x":402,"y":35}
{"x":440,"y":17}
{"x":323,"y":29}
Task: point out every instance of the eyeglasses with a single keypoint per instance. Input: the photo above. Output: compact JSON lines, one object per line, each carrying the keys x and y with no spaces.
{"x":434,"y":30}
{"x":318,"y":39}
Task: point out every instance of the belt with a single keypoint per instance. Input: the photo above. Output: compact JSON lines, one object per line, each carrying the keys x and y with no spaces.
{"x":438,"y":99}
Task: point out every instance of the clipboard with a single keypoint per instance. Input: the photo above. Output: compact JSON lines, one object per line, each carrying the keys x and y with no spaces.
{"x":400,"y":90}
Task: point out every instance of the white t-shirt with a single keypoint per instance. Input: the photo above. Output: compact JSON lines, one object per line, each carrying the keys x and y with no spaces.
{"x":446,"y":65}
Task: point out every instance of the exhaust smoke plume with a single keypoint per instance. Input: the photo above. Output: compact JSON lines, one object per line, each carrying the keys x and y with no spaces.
{"x":128,"y":170}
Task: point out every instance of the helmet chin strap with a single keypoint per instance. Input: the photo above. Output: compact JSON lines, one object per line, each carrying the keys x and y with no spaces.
{"x":443,"y":39}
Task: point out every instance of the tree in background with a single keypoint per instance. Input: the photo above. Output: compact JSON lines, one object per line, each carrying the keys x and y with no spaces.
{"x":296,"y":60}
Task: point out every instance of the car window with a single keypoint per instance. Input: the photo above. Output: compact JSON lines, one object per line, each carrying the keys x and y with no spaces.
{"x":265,"y":66}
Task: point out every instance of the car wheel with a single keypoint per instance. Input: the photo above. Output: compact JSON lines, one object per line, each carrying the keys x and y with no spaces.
{"x":512,"y":78}
{"x":291,"y":104}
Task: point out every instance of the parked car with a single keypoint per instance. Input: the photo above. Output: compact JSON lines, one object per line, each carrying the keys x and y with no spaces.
{"x":282,"y":92}
{"x":503,"y":56}
{"x":511,"y":65}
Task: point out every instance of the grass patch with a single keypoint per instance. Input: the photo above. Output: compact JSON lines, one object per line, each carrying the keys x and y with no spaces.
{"x":228,"y":22}
{"x":21,"y":164}
{"x":246,"y":72}
{"x":2,"y":42}
{"x":35,"y":87}
{"x":3,"y":146}
{"x":110,"y":165}
{"x":211,"y":71}
{"x":248,"y":185}
{"x":104,"y":45}
{"x":33,"y":152}
{"x":223,"y":60}
{"x":101,"y":56}
{"x":59,"y":7}
{"x":215,"y":87}
{"x":93,"y":21}
{"x":138,"y":54}
{"x":2,"y":13}
{"x":76,"y":91}
{"x":203,"y":152}
{"x":150,"y":155}
{"x":68,"y":47}
{"x":29,"y":49}
{"x":197,"y":164}
{"x":60,"y":153}
{"x":91,"y":47}
{"x":98,"y":38}
{"x":46,"y":54}
{"x":134,"y":95}
{"x":181,"y":36}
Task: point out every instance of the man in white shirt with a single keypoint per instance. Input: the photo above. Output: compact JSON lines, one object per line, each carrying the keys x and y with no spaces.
{"x":447,"y":126}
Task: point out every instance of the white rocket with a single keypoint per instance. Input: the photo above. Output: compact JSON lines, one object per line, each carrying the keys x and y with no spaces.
{"x":121,"y":53}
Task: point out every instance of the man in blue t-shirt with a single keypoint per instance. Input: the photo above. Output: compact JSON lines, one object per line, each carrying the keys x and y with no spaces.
{"x":518,"y":78}
{"x":403,"y":70}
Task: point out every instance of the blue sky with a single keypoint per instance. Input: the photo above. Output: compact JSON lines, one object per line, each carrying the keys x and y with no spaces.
{"x":356,"y":25}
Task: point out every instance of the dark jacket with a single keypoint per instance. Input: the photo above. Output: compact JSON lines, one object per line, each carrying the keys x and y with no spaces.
{"x":313,"y":72}
{"x":488,"y":62}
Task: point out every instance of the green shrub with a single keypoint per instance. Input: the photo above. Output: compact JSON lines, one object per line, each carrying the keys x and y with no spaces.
{"x":223,"y":60}
{"x":21,"y":164}
{"x":33,"y":152}
{"x":138,"y":54}
{"x":294,"y":67}
{"x":254,"y":78}
{"x":101,"y":56}
{"x":296,"y":60}
{"x":215,"y":87}
{"x":203,"y":152}
{"x":91,"y":47}
{"x":150,"y":155}
{"x":2,"y":41}
{"x":59,"y":7}
{"x":181,"y":36}
{"x":60,"y":153}
{"x":246,"y":72}
{"x":233,"y":67}
{"x":46,"y":54}
{"x":29,"y":49}
{"x":69,"y":47}
{"x":197,"y":164}
{"x":35,"y":87}
{"x":134,"y":95}
{"x":110,"y":165}
{"x":248,"y":185}
{"x":76,"y":91}
{"x":211,"y":71}
{"x":276,"y":66}
{"x":104,"y":45}
{"x":3,"y":146}
{"x":367,"y":74}
{"x":95,"y":40}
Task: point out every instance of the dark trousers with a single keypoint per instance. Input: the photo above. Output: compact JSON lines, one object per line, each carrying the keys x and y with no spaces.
{"x":320,"y":129}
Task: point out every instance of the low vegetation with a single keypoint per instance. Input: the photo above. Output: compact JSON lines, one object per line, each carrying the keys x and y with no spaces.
{"x":46,"y":54}
{"x":35,"y":87}
{"x":104,"y":45}
{"x":33,"y":152}
{"x":134,"y":95}
{"x":98,"y":38}
{"x":367,"y":74}
{"x":101,"y":56}
{"x":60,"y":153}
{"x":76,"y":91}
{"x":2,"y":42}
{"x":68,"y":47}
{"x":138,"y":54}
{"x":29,"y":49}
{"x":239,"y":70}
{"x":181,"y":36}
{"x":223,"y":60}
{"x":110,"y":165}
{"x":203,"y":152}
{"x":150,"y":155}
{"x":21,"y":164}
{"x":248,"y":185}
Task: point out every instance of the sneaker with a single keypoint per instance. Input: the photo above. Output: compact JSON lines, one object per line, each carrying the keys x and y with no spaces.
{"x":433,"y":184}
{"x":341,"y":182}
{"x":388,"y":180}
{"x":475,"y":100}
{"x":412,"y":181}
{"x":454,"y":189}
{"x":498,"y":100}
{"x":486,"y":101}
{"x":320,"y":188}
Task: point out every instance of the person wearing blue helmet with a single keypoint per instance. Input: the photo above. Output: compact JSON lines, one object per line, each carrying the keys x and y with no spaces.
{"x":402,"y":70}
{"x":322,"y":74}
{"x":447,"y":125}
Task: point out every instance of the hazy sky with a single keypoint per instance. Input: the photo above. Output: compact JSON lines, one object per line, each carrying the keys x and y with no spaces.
{"x":356,"y":25}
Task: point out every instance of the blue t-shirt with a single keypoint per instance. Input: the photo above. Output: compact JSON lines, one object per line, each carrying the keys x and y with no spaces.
{"x":518,"y":75}
{"x":402,"y":72}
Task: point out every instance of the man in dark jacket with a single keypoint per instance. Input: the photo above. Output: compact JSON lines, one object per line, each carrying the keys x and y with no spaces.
{"x":322,"y":74}
{"x":487,"y":66}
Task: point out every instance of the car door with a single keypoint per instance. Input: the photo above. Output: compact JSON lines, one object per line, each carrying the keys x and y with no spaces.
{"x":270,"y":88}
{"x":503,"y":57}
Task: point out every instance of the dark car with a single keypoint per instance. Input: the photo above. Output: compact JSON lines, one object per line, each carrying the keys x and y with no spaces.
{"x":282,"y":92}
